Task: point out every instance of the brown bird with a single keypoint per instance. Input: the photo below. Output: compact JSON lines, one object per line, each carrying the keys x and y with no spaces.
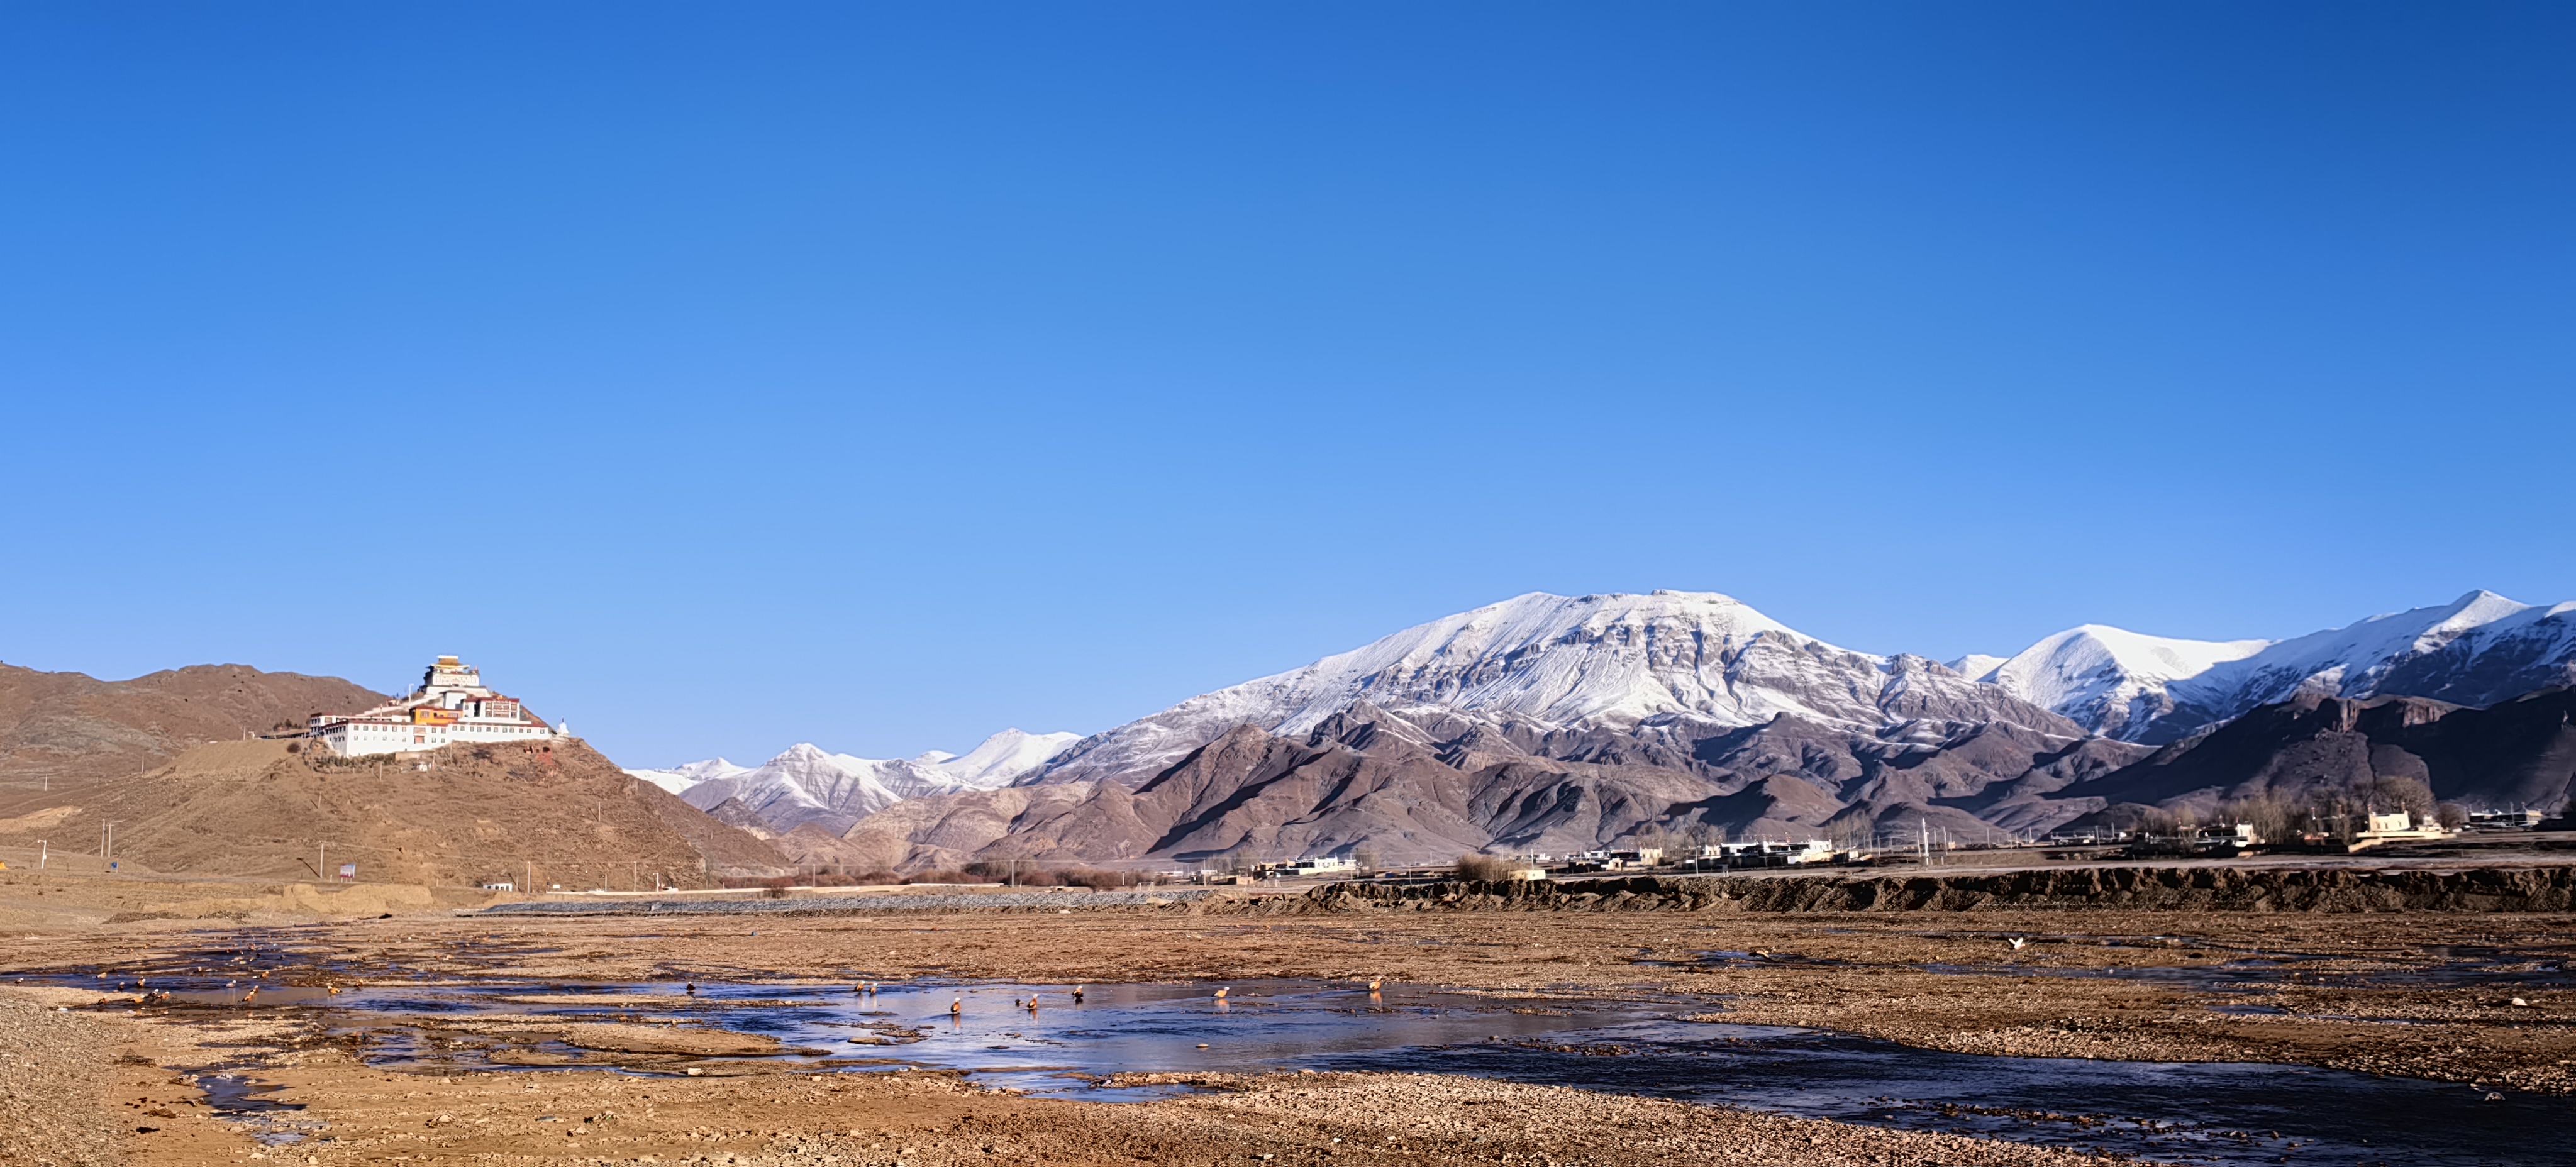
{"x":1375,"y":983}
{"x":1077,"y":994}
{"x":957,"y":1006}
{"x":1220,"y":993}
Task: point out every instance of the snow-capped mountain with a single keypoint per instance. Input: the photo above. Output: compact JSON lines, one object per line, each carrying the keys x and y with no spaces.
{"x":807,"y":784}
{"x":679,"y":778}
{"x":810,"y":784}
{"x":2108,"y":679}
{"x":1553,"y":662}
{"x":2477,"y":650}
{"x":1000,"y":759}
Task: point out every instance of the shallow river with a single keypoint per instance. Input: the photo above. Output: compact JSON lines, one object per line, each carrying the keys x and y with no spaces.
{"x":2182,"y":1112}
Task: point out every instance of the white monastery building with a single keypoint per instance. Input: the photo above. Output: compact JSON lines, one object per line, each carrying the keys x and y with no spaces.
{"x":450,"y":706}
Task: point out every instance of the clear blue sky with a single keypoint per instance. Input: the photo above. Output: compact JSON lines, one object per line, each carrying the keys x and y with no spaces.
{"x":723,"y":376}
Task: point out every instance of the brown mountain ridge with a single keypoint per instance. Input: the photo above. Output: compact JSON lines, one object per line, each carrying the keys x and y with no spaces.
{"x":69,"y":728}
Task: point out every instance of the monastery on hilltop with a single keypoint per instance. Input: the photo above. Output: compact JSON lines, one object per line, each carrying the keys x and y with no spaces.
{"x":450,"y":706}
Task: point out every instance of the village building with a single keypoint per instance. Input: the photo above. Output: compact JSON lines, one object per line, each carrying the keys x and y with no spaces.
{"x":451,"y":706}
{"x":2395,"y":827}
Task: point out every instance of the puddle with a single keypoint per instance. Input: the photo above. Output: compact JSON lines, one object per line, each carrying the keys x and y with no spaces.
{"x":245,"y":1101}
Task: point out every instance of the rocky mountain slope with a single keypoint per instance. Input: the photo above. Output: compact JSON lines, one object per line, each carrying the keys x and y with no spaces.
{"x":68,"y":728}
{"x":1429,"y":784}
{"x":1558,"y":663}
{"x":2518,"y":753}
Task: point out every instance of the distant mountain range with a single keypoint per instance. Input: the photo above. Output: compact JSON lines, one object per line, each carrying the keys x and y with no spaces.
{"x":807,"y":784}
{"x":1551,"y":722}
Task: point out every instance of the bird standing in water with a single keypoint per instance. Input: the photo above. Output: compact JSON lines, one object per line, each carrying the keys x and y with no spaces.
{"x":1220,"y":993}
{"x":957,"y":1006}
{"x":1077,"y":994}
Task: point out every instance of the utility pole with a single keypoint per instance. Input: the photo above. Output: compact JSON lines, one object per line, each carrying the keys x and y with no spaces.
{"x":44,"y":851}
{"x":321,"y":854}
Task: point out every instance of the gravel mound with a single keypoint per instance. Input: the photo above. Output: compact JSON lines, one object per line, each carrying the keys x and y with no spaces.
{"x":53,"y":1070}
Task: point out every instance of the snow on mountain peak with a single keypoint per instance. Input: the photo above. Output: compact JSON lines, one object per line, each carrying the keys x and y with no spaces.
{"x":1000,"y":758}
{"x":680,"y":778}
{"x":2475,"y":650}
{"x":807,"y":783}
{"x":2107,"y":678}
{"x":1976,"y":666}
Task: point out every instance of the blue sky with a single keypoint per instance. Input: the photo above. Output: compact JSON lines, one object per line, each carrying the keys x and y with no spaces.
{"x":723,"y":376}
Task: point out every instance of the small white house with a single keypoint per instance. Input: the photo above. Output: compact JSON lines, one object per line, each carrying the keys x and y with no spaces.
{"x":2395,"y":827}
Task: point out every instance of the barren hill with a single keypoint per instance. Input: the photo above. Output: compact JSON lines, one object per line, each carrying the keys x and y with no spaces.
{"x":554,"y":814}
{"x":66,"y":729}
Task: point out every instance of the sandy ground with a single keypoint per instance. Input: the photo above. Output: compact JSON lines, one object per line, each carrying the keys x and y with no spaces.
{"x":2086,"y":984}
